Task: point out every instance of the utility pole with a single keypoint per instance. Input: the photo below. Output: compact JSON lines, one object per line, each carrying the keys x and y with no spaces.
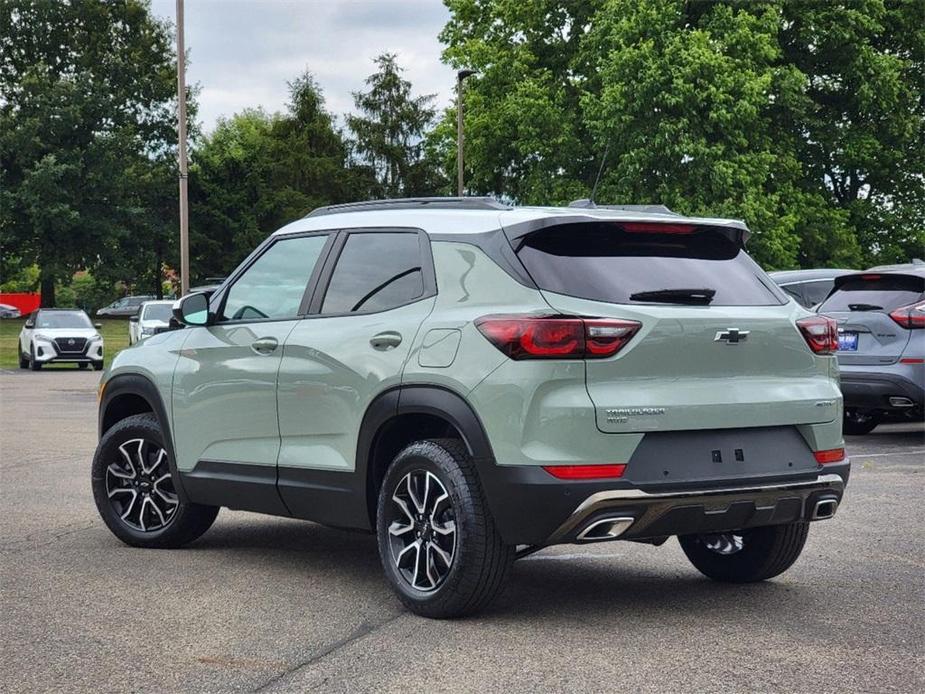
{"x":460,"y":77}
{"x":181,"y":132}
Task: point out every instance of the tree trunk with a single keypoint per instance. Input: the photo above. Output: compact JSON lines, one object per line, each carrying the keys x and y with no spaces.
{"x":158,"y":284}
{"x":48,"y":290}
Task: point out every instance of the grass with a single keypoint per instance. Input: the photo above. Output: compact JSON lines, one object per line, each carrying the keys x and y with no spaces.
{"x":113,"y":330}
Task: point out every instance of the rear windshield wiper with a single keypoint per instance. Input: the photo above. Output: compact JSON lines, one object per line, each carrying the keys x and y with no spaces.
{"x":865,"y":307}
{"x":676,"y":296}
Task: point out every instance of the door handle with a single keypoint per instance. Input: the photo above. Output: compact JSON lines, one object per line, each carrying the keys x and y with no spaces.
{"x":386,"y":340}
{"x":265,"y":345}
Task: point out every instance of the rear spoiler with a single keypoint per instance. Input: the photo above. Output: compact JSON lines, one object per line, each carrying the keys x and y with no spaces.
{"x":733,"y":229}
{"x":914,"y":280}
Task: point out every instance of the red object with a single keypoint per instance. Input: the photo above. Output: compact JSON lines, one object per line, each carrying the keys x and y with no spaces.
{"x":910,"y":317}
{"x":911,"y":360}
{"x":584,"y":472}
{"x":833,"y":455}
{"x":26,"y":302}
{"x":657,"y":228}
{"x":820,"y":333}
{"x":553,"y":337}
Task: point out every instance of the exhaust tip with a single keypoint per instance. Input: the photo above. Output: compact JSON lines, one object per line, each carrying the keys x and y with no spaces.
{"x":605,"y":529}
{"x":825,"y":508}
{"x":897,"y":401}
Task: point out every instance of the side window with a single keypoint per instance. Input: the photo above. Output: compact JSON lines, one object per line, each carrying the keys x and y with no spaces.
{"x":816,"y":292}
{"x":375,"y":272}
{"x":273,"y":286}
{"x":794,"y":291}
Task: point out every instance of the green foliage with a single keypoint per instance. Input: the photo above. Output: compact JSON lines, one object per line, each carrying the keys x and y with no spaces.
{"x":258,"y":171}
{"x":387,"y":137}
{"x":23,"y":279}
{"x":803,"y":118}
{"x":87,"y":103}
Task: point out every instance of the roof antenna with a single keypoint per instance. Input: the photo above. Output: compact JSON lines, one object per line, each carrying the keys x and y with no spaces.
{"x":600,"y":170}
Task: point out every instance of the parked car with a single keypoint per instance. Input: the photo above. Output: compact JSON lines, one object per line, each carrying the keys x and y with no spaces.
{"x":7,"y":311}
{"x":153,"y":317}
{"x":124,"y":307}
{"x":808,"y":287}
{"x":881,"y":344}
{"x":474,"y":382}
{"x":55,"y":335}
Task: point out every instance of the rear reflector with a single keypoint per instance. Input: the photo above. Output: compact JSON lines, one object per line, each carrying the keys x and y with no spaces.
{"x":820,"y":333}
{"x":585,"y":472}
{"x":910,"y":317}
{"x":833,"y":455}
{"x":657,"y":228}
{"x":557,"y":337}
{"x":911,"y":360}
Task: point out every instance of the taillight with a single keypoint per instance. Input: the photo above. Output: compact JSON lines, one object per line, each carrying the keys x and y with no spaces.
{"x":585,"y":472}
{"x":910,"y":317}
{"x":832,"y":455}
{"x":820,"y":333}
{"x":556,"y":337}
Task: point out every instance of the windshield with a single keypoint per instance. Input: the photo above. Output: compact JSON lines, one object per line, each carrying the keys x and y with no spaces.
{"x":874,"y":292}
{"x":603,"y":263}
{"x":161,"y":312}
{"x":63,"y":319}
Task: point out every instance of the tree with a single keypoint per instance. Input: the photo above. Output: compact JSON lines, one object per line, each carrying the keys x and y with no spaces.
{"x":387,"y":134}
{"x":803,"y":118}
{"x":258,"y":171}
{"x":88,"y":93}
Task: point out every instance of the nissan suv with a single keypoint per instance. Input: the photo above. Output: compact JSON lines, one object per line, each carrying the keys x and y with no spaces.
{"x":474,"y":382}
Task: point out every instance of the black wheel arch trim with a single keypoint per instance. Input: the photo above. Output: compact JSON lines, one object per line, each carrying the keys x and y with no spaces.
{"x":141,"y":386}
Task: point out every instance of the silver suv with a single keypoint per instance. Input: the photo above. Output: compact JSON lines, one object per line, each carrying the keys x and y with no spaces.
{"x":881,"y":343}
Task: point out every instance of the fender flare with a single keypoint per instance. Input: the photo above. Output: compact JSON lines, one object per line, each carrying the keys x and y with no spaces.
{"x":143,"y":387}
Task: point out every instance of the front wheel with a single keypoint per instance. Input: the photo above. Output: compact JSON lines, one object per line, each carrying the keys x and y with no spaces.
{"x":34,"y":364}
{"x":860,"y":422}
{"x":135,"y":491}
{"x":23,"y":359}
{"x":97,"y":366}
{"x":746,"y":556}
{"x":438,"y":543}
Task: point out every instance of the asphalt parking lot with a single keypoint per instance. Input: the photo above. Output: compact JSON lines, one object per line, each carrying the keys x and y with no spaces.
{"x":266,"y":604}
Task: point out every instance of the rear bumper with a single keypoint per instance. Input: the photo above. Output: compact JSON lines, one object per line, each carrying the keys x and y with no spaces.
{"x":530,"y":507}
{"x":872,"y":391}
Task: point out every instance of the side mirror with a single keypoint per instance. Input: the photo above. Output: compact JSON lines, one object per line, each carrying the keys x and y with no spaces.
{"x":133,"y":319}
{"x":97,"y":325}
{"x":192,"y":309}
{"x":30,"y":324}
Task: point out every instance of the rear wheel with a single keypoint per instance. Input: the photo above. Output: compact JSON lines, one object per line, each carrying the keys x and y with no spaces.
{"x":134,"y":490}
{"x":438,"y":543}
{"x":860,"y":422}
{"x":746,"y":556}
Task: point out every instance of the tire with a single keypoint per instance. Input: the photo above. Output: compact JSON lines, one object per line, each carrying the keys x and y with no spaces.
{"x":33,"y":364}
{"x":479,"y":559}
{"x":97,"y":366}
{"x":82,"y":365}
{"x":858,"y":423}
{"x":23,"y":359}
{"x":185,"y":523}
{"x":765,"y":553}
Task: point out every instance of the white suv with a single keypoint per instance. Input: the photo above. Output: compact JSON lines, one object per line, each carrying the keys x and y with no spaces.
{"x":153,"y":317}
{"x":60,"y":335}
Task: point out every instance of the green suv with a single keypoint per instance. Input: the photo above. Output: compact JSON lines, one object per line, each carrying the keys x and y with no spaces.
{"x":474,"y":382}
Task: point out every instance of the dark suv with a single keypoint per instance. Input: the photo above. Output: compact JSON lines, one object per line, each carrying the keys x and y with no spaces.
{"x":474,"y":382}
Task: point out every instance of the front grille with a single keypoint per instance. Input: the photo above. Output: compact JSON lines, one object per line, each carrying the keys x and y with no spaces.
{"x":71,"y":345}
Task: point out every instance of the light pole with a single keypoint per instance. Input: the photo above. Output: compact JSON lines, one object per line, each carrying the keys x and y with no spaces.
{"x":460,"y":77}
{"x":181,"y":139}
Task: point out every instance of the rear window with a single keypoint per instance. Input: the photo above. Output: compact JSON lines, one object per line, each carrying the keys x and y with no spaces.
{"x":873,"y":292}
{"x":604,"y":263}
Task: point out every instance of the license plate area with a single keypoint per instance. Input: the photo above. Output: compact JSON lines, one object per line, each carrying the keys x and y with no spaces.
{"x":847,"y":341}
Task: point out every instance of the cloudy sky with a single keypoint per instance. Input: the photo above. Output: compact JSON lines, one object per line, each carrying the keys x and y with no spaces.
{"x":243,"y":52}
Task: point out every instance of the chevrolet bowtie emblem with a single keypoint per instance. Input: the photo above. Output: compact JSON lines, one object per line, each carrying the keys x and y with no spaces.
{"x":731,"y":336}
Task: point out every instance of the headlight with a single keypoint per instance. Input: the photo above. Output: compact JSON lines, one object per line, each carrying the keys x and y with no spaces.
{"x":95,"y":336}
{"x":147,"y":331}
{"x":44,"y":338}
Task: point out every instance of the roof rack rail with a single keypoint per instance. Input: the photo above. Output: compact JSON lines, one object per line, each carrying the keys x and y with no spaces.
{"x":651,"y":209}
{"x":463,"y":203}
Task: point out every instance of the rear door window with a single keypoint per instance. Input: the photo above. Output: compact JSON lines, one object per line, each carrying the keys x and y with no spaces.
{"x":874,"y":292}
{"x":601,"y":262}
{"x":375,"y":272}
